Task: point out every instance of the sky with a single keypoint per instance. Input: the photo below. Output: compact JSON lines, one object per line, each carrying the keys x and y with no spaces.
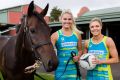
{"x":74,"y":5}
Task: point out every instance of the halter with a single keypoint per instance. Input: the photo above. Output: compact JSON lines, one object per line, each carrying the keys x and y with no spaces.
{"x":34,"y":46}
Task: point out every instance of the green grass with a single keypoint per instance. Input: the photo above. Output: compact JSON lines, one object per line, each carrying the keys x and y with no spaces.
{"x":43,"y":75}
{"x":1,"y":78}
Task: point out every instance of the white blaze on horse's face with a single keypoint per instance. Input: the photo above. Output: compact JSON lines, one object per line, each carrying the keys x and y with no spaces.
{"x":40,"y":38}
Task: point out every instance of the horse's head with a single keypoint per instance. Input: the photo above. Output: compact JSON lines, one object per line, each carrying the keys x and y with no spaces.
{"x":38,"y":37}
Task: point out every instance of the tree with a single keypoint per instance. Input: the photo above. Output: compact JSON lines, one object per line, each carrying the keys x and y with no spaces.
{"x":55,"y":13}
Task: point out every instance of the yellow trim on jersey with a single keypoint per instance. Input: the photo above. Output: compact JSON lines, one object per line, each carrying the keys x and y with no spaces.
{"x":75,"y":34}
{"x":104,"y":41}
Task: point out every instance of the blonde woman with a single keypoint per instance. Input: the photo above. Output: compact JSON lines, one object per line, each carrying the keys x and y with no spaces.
{"x":66,"y":40}
{"x":104,"y":49}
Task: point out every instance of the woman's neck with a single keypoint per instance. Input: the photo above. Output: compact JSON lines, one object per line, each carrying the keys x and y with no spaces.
{"x":97,"y":38}
{"x":67,"y":31}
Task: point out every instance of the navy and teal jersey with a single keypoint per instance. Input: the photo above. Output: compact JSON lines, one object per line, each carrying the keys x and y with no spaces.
{"x":65,"y":45}
{"x":101,"y":71}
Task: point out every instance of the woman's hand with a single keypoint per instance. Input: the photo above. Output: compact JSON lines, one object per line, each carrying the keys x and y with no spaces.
{"x":96,"y":61}
{"x":76,"y":58}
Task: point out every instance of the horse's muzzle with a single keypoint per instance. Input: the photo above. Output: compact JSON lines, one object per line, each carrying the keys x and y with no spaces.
{"x":52,"y":65}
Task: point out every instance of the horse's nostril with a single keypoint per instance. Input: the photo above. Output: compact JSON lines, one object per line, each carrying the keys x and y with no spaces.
{"x":50,"y":64}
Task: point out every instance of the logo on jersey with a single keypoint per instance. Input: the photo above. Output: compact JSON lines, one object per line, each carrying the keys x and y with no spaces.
{"x":62,"y":39}
{"x":96,"y":52}
{"x":65,"y":44}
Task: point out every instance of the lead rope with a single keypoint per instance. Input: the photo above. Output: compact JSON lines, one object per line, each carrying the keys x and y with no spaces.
{"x":65,"y":68}
{"x":39,"y":76}
{"x":76,"y":65}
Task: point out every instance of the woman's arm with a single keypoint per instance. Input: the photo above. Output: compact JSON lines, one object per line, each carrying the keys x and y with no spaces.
{"x":54,"y":38}
{"x":79,"y":46}
{"x":113,"y":52}
{"x":85,"y":49}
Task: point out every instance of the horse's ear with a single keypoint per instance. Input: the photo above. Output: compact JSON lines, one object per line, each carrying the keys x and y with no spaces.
{"x":31,"y":8}
{"x":44,"y":12}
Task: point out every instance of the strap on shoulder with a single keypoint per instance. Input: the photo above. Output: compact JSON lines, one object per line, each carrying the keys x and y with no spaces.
{"x":75,"y":34}
{"x":105,"y":38}
{"x":59,"y":32}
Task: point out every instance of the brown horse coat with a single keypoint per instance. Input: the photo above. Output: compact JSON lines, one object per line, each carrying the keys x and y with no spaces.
{"x":31,"y":42}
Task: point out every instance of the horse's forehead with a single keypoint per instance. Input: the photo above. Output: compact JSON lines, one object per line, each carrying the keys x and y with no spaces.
{"x":35,"y":22}
{"x":32,"y":22}
{"x":32,"y":19}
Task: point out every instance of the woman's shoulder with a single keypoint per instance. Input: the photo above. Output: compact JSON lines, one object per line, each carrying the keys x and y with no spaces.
{"x":78,"y":34}
{"x":109,"y":41}
{"x":56,"y":34}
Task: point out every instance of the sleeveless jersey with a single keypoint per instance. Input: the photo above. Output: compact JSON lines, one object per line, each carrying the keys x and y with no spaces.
{"x":101,"y":71}
{"x":64,"y":45}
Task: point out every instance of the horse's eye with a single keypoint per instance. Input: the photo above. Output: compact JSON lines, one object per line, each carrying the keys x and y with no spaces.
{"x":32,"y":30}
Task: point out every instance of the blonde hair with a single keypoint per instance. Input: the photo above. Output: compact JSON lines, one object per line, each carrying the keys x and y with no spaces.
{"x":96,"y":19}
{"x":73,"y":27}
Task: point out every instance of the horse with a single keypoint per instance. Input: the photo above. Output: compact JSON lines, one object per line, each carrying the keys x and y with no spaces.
{"x":32,"y":43}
